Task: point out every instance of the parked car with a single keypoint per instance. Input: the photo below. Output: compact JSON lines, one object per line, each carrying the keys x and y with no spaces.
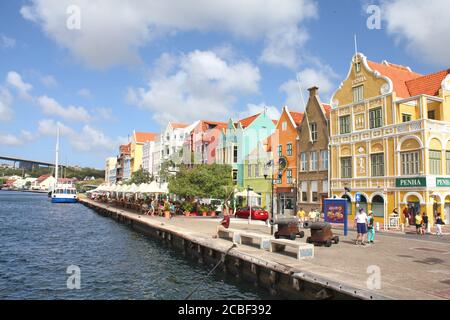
{"x":257,"y":213}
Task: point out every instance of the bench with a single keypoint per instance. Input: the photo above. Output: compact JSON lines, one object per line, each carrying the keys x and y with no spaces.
{"x":251,"y":238}
{"x":233,"y":234}
{"x":303,"y":250}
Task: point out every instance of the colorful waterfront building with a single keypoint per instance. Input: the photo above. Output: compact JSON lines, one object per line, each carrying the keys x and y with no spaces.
{"x":313,"y":154}
{"x":200,"y":146}
{"x":169,"y":145}
{"x":258,"y":175}
{"x":390,"y":140}
{"x":240,"y":138}
{"x":136,"y":148}
{"x":284,"y":148}
{"x":124,"y":152}
{"x":110,"y":170}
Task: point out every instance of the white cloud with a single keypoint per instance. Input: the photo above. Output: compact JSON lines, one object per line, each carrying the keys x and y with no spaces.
{"x":9,"y":139}
{"x":283,"y":46}
{"x":51,"y":107}
{"x":424,"y":26}
{"x":253,"y":109}
{"x":320,"y":75}
{"x":133,"y":24}
{"x":86,"y":140}
{"x":85,"y":93}
{"x":15,"y":80}
{"x":27,"y":135}
{"x":200,"y":86}
{"x":104,"y":113}
{"x":49,"y":81}
{"x":6,"y":100}
{"x":7,"y":42}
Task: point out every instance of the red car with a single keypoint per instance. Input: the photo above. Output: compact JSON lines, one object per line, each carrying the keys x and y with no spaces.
{"x":257,"y":213}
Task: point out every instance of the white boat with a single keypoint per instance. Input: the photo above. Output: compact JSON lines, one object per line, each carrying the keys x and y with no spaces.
{"x":62,"y":193}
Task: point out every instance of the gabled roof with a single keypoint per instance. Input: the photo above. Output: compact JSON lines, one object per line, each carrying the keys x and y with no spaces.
{"x":218,"y":125}
{"x":248,"y":121}
{"x":178,"y":125}
{"x":429,"y":84}
{"x":398,"y":74}
{"x":43,"y":178}
{"x":297,"y":117}
{"x":327,"y":109}
{"x":142,"y":137}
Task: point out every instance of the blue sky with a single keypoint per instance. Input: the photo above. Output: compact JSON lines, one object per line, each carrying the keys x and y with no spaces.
{"x":136,"y":65}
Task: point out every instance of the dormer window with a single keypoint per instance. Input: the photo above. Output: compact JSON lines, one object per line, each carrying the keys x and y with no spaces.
{"x":358,"y":67}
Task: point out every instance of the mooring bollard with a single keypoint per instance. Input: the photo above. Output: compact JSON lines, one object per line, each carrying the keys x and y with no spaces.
{"x":403,"y":227}
{"x":378,"y":226}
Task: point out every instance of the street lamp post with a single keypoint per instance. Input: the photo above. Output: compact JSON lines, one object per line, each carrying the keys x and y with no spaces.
{"x":271,"y":164}
{"x":249,"y":204}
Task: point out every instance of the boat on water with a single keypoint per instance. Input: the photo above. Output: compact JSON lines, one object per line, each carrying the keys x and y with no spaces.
{"x":62,"y":193}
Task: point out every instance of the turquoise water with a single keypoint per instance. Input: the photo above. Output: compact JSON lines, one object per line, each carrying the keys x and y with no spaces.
{"x":40,"y":240}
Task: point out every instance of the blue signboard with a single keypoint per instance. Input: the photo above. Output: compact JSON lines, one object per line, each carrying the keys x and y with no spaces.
{"x":336,"y":211}
{"x":358,"y":197}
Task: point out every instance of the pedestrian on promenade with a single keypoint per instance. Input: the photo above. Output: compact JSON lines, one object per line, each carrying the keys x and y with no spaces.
{"x":406,"y":216}
{"x":370,"y":228}
{"x":418,"y":221}
{"x":424,"y":223}
{"x":301,"y":216}
{"x":361,"y":226}
{"x":439,"y":223}
{"x":226,"y":220}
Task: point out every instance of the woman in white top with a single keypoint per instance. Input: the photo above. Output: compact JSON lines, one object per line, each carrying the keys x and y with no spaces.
{"x":361,"y":226}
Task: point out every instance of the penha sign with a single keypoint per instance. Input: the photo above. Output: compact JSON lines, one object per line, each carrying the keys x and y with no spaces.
{"x":411,"y":182}
{"x":443,"y":182}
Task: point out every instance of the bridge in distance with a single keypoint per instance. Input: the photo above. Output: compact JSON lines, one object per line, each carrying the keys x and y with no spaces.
{"x":27,"y":163}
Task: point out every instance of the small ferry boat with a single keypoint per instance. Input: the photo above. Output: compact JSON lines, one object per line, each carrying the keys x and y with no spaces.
{"x":64,"y":194}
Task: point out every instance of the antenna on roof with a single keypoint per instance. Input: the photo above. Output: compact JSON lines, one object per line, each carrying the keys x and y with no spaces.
{"x":356,"y":48}
{"x":301,"y":92}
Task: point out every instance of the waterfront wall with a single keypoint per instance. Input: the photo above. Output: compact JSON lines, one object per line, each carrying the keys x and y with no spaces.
{"x":280,"y":280}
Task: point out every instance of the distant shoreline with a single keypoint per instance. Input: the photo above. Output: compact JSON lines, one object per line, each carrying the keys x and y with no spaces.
{"x":27,"y":191}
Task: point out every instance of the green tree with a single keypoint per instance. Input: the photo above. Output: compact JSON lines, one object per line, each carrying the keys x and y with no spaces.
{"x":204,"y":181}
{"x":140,"y":176}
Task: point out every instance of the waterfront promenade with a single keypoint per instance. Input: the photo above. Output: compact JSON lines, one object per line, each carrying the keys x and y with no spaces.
{"x":410,"y":267}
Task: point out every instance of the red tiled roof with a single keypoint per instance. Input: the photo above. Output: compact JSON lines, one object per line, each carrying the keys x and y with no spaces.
{"x":125,"y":148}
{"x":248,"y":121}
{"x":429,"y":84}
{"x":275,"y":122}
{"x":398,"y":74}
{"x":176,"y":125}
{"x":297,"y":117}
{"x":142,"y":137}
{"x":217,"y":124}
{"x":327,"y":109}
{"x":42,"y":178}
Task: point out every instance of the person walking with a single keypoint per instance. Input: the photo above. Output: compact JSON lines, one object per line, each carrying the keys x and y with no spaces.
{"x":370,"y":228}
{"x":301,"y":217}
{"x":418,"y":222}
{"x":361,"y":226}
{"x":439,"y":223}
{"x":424,"y":223}
{"x":406,"y":216}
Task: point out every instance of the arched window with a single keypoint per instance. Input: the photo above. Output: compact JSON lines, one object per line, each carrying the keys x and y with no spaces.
{"x":378,"y":206}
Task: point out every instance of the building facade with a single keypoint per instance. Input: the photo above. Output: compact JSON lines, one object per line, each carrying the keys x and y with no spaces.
{"x":240,"y":138}
{"x":284,"y":146}
{"x":110,"y":170}
{"x":313,"y":154}
{"x":136,"y":148}
{"x":390,"y":134}
{"x":124,"y":151}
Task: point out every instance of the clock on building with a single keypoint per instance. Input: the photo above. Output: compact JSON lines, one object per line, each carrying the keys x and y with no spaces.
{"x":283,"y":163}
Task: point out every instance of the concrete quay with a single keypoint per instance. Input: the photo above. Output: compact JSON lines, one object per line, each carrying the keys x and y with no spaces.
{"x":408,"y":267}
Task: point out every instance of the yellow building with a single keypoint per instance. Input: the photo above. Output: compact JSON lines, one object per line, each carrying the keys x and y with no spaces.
{"x":390,"y":140}
{"x":136,"y":148}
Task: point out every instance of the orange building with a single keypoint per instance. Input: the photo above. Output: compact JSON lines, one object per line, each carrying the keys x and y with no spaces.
{"x":284,"y":146}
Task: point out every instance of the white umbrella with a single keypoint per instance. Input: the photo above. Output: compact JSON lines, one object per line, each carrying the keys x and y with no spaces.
{"x":251,"y":194}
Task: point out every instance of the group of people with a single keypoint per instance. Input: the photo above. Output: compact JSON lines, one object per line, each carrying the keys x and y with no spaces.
{"x":313,"y":216}
{"x":364,"y":225}
{"x":421,"y":222}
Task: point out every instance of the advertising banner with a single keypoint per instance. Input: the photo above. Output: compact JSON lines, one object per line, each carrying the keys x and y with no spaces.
{"x":336,"y":211}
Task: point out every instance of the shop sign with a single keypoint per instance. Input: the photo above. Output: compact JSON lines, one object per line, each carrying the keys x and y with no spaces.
{"x":443,"y":182}
{"x":411,"y":182}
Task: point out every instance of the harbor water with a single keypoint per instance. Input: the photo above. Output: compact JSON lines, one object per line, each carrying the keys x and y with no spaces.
{"x":42,"y":245}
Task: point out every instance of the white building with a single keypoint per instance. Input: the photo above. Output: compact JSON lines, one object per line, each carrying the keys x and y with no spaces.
{"x":22,"y":183}
{"x":110,"y":170}
{"x":148,"y":154}
{"x":45,"y":183}
{"x":169,"y":144}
